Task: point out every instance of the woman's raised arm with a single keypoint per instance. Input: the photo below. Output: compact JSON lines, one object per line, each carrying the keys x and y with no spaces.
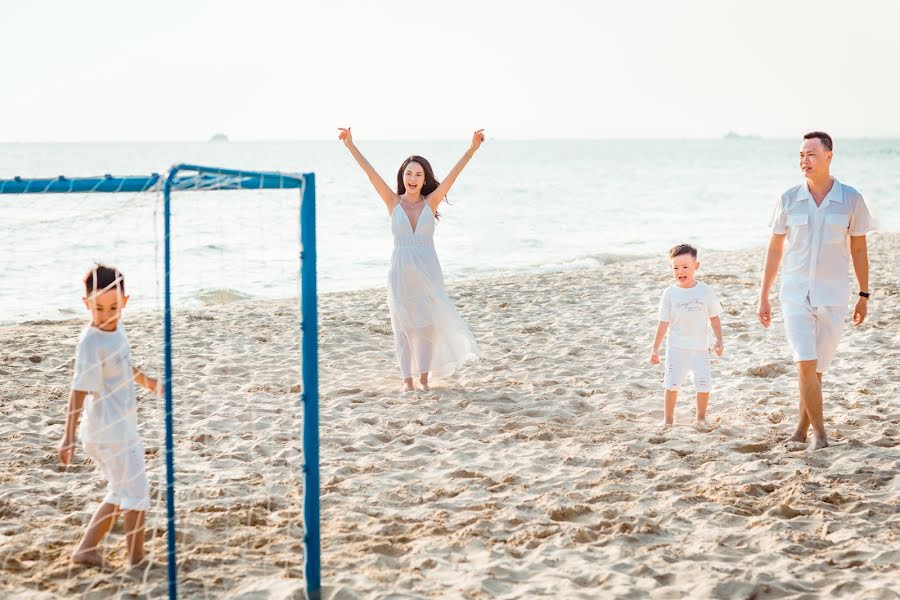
{"x":438,"y":195}
{"x":388,"y":196}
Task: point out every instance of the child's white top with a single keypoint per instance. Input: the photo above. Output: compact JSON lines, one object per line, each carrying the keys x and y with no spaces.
{"x":688,"y":311}
{"x":103,"y":368}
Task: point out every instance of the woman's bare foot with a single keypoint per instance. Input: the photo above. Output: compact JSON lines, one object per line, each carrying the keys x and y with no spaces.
{"x":796,"y":442}
{"x":798,"y":437}
{"x":90,"y":558}
{"x":408,"y":385}
{"x":821,"y":442}
{"x":137,"y":562}
{"x":423,"y":381}
{"x":702,"y":426}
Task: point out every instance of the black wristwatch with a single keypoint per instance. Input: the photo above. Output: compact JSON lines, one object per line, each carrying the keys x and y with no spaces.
{"x":864,"y":295}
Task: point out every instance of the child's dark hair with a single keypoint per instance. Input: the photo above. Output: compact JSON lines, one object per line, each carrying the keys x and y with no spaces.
{"x":682,"y":249}
{"x":103,"y":278}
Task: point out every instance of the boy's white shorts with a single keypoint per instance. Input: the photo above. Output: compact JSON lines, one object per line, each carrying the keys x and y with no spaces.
{"x":813,"y":332}
{"x":680,"y":361}
{"x":123,"y":467}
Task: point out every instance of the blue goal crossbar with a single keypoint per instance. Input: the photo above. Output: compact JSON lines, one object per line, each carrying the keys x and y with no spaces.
{"x":186,"y":177}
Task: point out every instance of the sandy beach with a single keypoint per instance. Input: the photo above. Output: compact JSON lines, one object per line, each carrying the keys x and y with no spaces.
{"x":541,"y":471}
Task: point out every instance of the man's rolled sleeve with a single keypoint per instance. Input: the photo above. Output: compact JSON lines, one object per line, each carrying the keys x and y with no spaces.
{"x":778,"y":220}
{"x":861,"y":219}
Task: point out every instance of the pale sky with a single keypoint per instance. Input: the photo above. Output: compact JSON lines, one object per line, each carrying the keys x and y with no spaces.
{"x":277,"y":69}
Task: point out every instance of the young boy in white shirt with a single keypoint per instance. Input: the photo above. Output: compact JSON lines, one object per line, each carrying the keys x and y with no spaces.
{"x":103,"y":388}
{"x":684,"y":310}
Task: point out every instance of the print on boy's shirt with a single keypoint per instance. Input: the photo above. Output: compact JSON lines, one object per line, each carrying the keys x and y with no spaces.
{"x":695,"y":305}
{"x":688,"y":310}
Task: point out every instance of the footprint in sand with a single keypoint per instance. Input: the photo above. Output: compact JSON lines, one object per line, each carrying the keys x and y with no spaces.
{"x":769,"y":370}
{"x":784,"y":511}
{"x":531,"y":329}
{"x":755,"y":448}
{"x":570,"y":513}
{"x":776,"y":417}
{"x":388,"y":550}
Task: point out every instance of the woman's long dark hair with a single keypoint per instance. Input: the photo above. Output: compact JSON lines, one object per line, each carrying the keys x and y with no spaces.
{"x":431,"y":183}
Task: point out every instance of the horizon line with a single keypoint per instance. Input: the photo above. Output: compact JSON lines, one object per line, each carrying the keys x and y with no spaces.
{"x":724,"y":137}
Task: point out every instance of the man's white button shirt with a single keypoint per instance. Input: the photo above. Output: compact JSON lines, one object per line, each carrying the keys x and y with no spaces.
{"x":817,"y":253}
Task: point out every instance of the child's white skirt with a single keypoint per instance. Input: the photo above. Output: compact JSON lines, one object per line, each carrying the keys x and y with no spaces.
{"x":680,"y":362}
{"x":123,"y":467}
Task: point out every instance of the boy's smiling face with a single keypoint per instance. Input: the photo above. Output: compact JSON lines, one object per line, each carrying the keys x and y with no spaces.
{"x":684,"y":268}
{"x":106,"y":308}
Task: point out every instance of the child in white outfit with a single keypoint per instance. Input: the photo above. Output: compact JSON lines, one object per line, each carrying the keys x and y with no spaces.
{"x":684,"y":310}
{"x":103,"y":388}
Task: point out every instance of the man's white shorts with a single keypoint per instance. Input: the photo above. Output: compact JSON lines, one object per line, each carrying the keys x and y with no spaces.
{"x":814,"y":332}
{"x":679,"y":362}
{"x":123,"y":467}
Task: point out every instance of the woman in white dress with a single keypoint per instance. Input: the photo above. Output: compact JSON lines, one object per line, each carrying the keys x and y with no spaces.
{"x":429,"y":335}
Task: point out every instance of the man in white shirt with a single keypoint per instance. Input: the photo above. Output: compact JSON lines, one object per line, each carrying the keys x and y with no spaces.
{"x":824,"y":223}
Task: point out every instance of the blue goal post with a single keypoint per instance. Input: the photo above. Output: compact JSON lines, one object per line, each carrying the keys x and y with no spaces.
{"x":186,"y":177}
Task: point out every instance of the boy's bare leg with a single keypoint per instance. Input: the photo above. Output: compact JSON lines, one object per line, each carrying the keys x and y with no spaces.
{"x":86,"y":552}
{"x":423,"y":381}
{"x":134,"y":535}
{"x":408,"y":385}
{"x":702,"y":403}
{"x":811,"y":403}
{"x":669,"y":408}
{"x":803,"y":423}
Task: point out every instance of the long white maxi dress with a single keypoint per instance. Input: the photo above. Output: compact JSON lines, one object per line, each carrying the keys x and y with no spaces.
{"x":429,"y":334}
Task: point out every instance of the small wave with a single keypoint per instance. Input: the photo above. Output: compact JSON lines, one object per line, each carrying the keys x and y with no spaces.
{"x":590,"y":261}
{"x":609,"y":258}
{"x":45,"y":317}
{"x":221,"y":296}
{"x":40,"y":322}
{"x":205,"y":248}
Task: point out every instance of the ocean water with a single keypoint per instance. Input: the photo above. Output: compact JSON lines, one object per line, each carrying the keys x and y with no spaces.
{"x":519,"y":207}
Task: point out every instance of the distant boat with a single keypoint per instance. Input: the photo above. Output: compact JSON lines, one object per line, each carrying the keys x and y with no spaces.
{"x":733,"y":135}
{"x":219,"y":137}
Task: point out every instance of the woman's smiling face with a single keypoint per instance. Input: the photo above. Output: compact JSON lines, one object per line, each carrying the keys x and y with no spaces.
{"x":414,"y":178}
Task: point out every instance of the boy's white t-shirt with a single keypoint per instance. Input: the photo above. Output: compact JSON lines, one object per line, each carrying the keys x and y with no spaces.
{"x":688,"y":311}
{"x":103,"y":368}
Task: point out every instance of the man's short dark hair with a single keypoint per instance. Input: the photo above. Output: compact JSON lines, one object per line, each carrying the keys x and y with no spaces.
{"x":682,"y":249}
{"x":103,"y":278}
{"x":820,"y":135}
